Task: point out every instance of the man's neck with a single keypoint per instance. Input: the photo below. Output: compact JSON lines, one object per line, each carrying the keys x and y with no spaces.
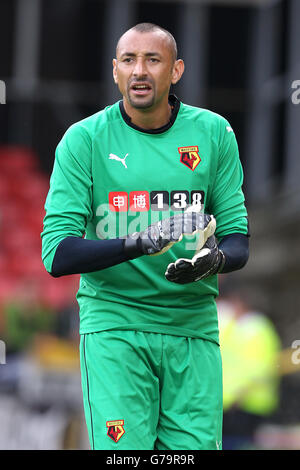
{"x":149,"y":118}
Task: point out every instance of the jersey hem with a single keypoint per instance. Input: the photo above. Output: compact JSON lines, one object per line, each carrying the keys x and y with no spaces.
{"x":171,"y":331}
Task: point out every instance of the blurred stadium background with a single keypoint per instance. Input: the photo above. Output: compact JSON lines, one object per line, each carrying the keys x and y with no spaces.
{"x":242,"y":59}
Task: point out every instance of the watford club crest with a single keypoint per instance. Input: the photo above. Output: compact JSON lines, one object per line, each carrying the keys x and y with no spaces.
{"x":115,"y":429}
{"x":189,"y":156}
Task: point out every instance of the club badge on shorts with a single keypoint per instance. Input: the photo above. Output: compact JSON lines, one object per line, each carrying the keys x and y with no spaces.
{"x":115,"y":429}
{"x":189,"y":156}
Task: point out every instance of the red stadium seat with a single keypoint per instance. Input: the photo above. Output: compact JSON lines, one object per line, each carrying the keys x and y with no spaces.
{"x":8,"y":285}
{"x":4,"y":190}
{"x":25,"y":264}
{"x":23,"y":190}
{"x":15,"y":159}
{"x":31,"y":188}
{"x":59,"y":292}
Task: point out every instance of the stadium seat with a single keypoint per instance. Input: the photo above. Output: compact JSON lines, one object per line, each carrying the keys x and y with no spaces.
{"x":23,"y":190}
{"x":16,"y":159}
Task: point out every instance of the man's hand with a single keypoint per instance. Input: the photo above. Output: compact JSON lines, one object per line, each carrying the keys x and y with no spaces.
{"x":210,"y":260}
{"x":159,"y":237}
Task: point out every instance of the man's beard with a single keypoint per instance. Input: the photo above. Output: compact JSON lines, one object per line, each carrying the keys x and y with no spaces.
{"x":137,"y":103}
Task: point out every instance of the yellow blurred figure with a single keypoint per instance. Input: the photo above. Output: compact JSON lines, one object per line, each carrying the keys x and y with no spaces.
{"x":250,"y":348}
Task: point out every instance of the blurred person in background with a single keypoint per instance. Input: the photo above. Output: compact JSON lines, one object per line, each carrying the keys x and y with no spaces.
{"x":150,"y":358}
{"x":24,"y":316}
{"x":250,"y":347}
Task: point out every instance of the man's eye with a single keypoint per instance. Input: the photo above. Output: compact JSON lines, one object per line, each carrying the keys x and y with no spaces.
{"x":152,"y":59}
{"x":128,"y":59}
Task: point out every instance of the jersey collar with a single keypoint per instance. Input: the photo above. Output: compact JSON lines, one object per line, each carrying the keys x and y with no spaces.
{"x":175,"y":104}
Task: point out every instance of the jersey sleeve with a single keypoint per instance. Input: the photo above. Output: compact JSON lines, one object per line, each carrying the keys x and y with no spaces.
{"x":68,"y":204}
{"x":227,"y":202}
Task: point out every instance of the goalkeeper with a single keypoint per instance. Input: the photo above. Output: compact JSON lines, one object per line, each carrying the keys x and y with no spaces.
{"x":145,"y":202}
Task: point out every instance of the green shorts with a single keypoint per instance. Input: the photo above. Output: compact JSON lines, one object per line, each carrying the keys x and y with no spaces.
{"x":146,"y":391}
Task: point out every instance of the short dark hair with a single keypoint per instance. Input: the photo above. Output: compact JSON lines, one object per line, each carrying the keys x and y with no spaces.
{"x":149,"y":27}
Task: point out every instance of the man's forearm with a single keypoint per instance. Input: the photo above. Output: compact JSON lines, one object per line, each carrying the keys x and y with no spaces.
{"x":76,"y":255}
{"x":236,"y":251}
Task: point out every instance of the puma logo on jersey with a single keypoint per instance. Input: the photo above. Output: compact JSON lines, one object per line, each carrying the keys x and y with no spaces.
{"x":119,"y":159}
{"x":229,"y":129}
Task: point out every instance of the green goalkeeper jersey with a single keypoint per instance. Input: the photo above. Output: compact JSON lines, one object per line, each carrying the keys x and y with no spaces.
{"x":110,"y":179}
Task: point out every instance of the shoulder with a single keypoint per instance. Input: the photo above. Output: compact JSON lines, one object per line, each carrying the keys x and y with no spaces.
{"x":87,"y":128}
{"x":202,"y":116}
{"x":215,"y":125}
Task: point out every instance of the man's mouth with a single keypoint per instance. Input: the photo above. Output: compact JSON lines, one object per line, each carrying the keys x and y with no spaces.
{"x":141,"y":88}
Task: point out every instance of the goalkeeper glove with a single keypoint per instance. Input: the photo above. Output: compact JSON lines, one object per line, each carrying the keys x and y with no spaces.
{"x":208,"y":261}
{"x":159,"y":237}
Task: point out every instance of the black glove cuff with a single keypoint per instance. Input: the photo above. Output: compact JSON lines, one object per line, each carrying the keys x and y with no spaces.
{"x":132,"y":247}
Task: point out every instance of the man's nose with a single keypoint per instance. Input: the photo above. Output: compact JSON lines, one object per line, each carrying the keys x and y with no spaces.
{"x":140,"y":69}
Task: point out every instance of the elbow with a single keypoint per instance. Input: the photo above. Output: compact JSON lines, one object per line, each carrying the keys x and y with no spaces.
{"x":55,"y":274}
{"x":243,"y":259}
{"x":52,"y":272}
{"x":53,"y":265}
{"x":51,"y":269}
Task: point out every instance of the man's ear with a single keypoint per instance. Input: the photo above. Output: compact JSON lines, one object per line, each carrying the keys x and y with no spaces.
{"x":114,"y":62}
{"x":178,"y":69}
